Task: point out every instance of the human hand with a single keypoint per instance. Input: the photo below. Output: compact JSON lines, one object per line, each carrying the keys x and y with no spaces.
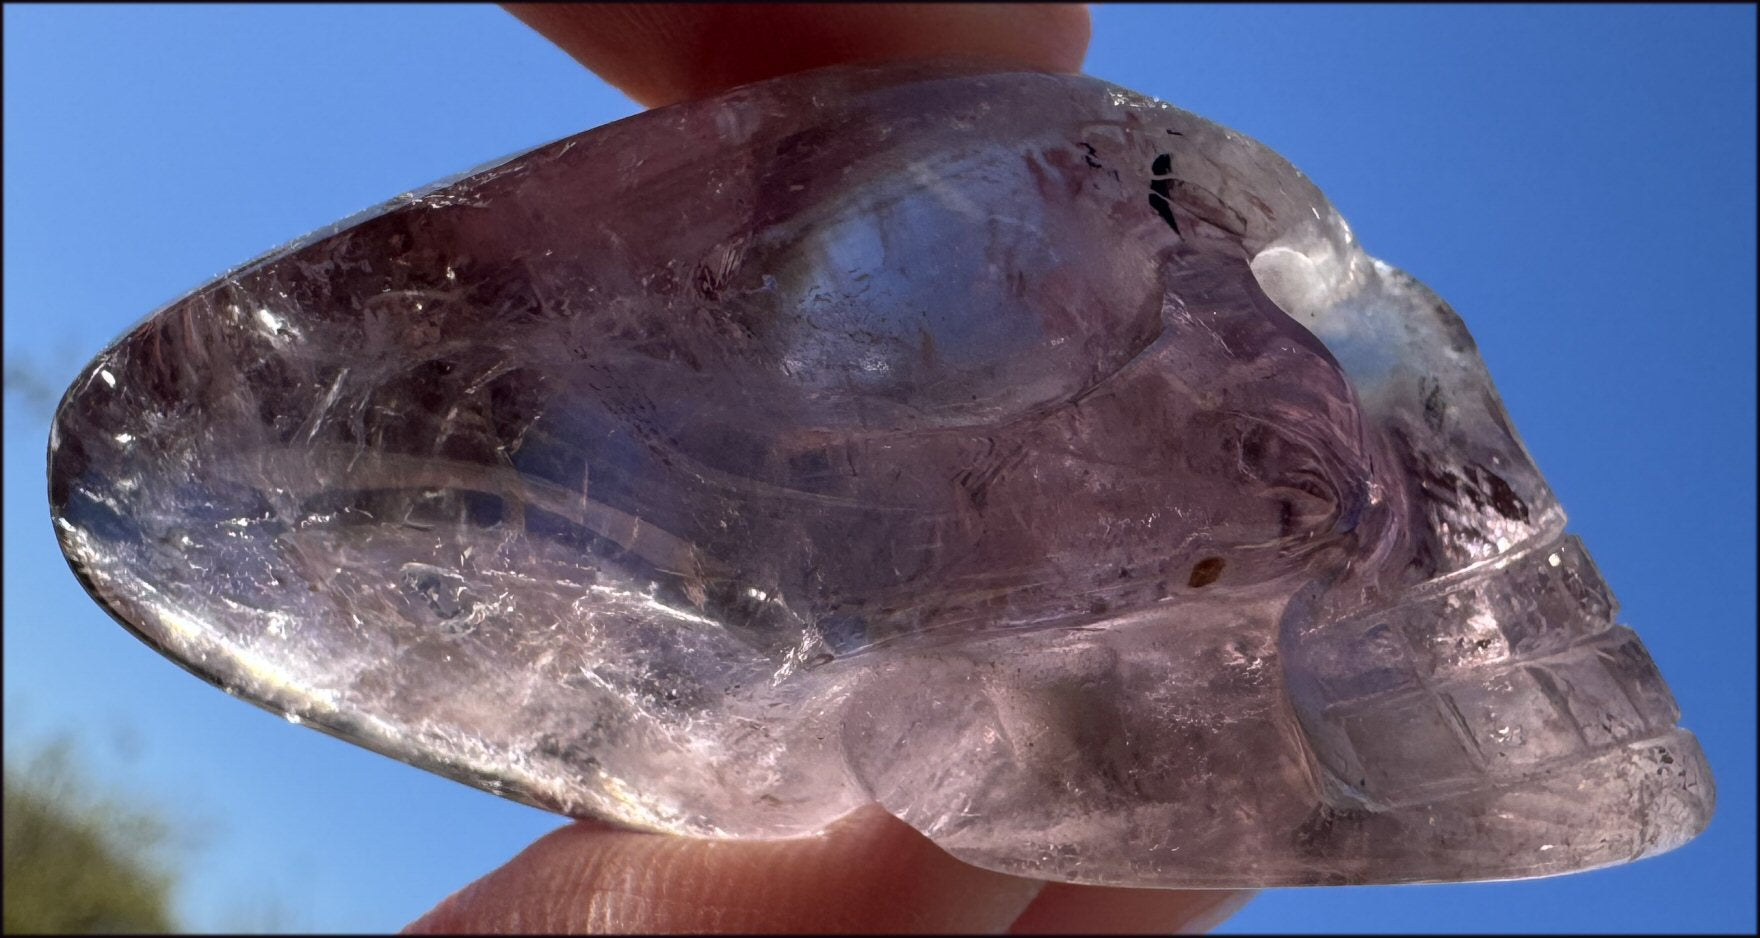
{"x":869,"y":872}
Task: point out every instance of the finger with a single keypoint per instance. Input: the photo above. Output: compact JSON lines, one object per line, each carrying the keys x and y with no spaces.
{"x":867,"y":873}
{"x":662,"y":53}
{"x":1104,"y":910}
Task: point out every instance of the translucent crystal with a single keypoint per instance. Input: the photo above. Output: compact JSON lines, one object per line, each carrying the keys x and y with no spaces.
{"x":1041,"y":461}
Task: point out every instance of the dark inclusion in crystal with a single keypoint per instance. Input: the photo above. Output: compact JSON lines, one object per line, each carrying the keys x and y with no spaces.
{"x":1039,"y":460}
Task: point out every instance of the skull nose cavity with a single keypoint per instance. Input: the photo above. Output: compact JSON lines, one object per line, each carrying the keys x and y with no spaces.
{"x":1317,"y":504}
{"x":1318,"y":477}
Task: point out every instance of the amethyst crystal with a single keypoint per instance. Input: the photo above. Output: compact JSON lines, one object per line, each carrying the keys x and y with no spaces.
{"x":1043,"y":462}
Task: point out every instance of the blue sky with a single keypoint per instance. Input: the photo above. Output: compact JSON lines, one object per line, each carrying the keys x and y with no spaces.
{"x":1579,"y":182}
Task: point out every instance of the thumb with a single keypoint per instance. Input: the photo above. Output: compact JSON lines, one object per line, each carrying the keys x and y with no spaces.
{"x":662,"y":53}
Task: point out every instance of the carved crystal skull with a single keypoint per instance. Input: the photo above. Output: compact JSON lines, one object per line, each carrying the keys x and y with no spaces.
{"x":1041,"y":461}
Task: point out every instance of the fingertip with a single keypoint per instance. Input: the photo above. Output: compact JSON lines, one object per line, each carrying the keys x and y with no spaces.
{"x":1062,"y":909}
{"x":870,"y":872}
{"x":663,"y":53}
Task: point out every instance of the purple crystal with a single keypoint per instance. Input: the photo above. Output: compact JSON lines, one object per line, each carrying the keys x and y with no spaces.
{"x":1039,"y":460}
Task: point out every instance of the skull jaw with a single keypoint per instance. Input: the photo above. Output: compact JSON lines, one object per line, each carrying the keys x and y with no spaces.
{"x":1161,"y":754}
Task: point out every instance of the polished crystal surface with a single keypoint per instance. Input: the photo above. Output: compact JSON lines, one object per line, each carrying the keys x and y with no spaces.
{"x":1041,"y":461}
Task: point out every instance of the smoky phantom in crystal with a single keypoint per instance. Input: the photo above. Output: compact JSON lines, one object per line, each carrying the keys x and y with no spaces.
{"x":1041,"y":461}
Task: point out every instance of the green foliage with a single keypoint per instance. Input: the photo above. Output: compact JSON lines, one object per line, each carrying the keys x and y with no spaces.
{"x":75,"y":864}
